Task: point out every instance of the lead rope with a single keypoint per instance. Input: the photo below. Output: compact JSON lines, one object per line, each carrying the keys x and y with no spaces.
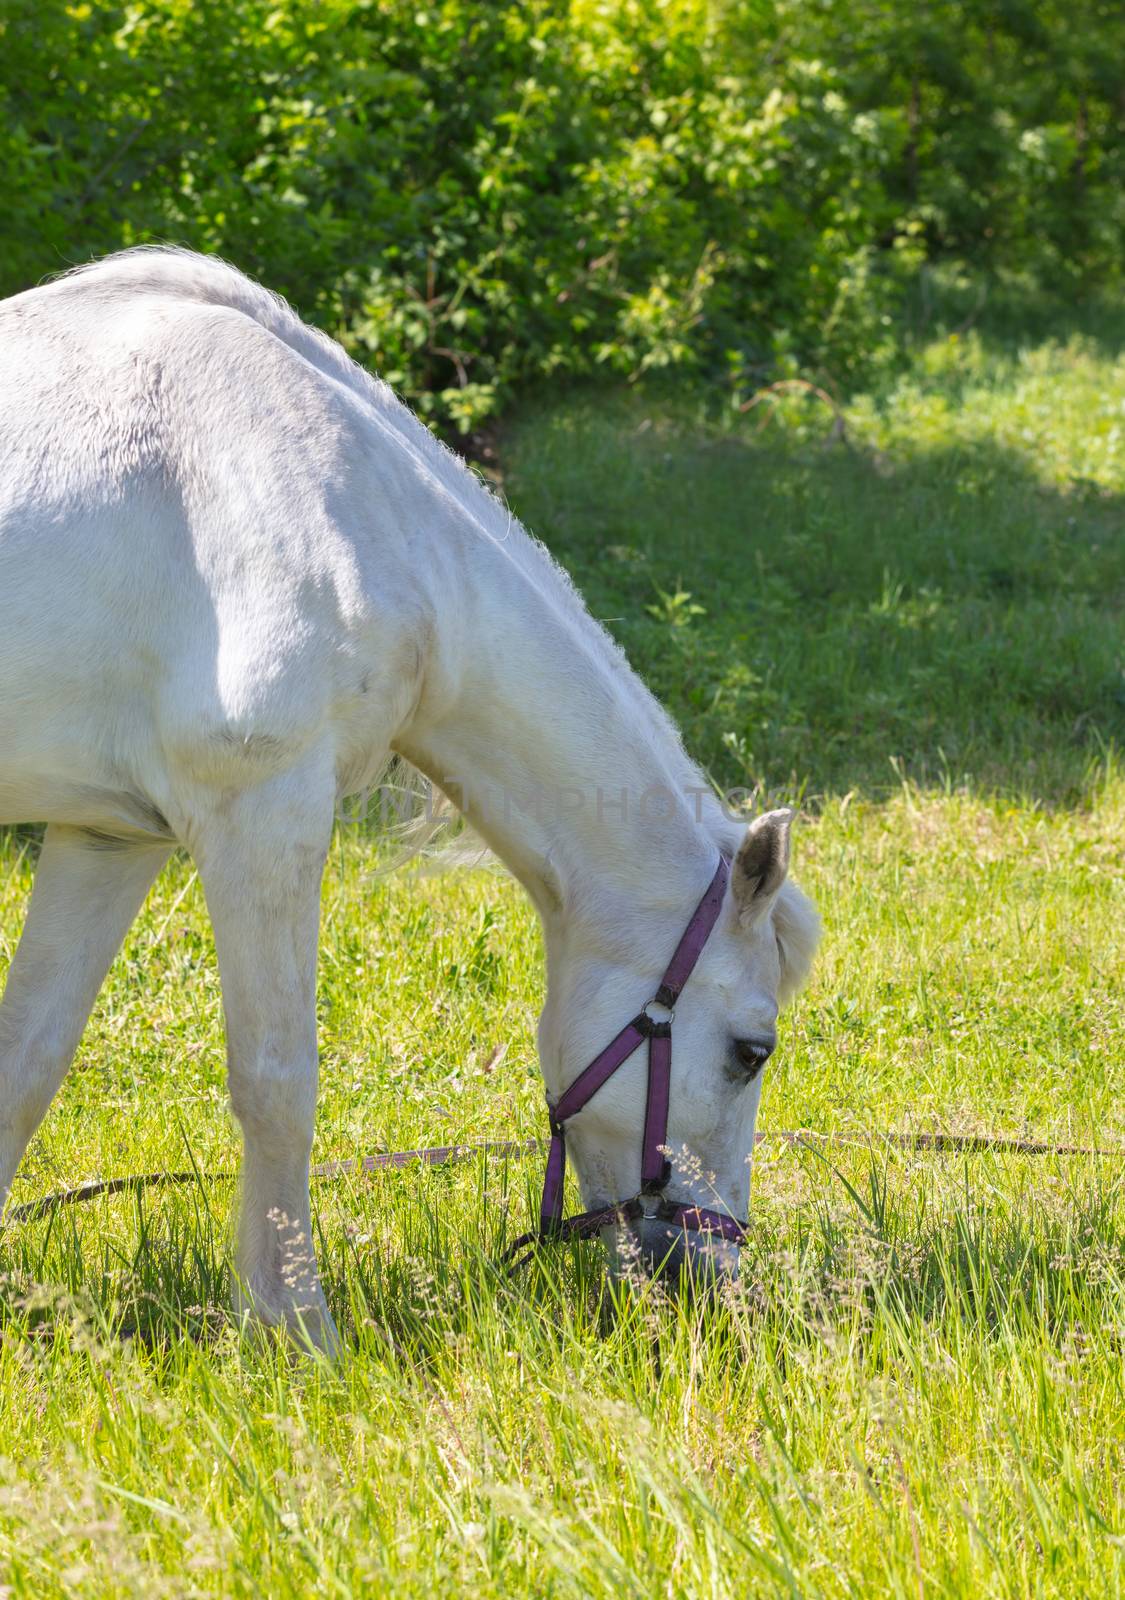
{"x":448,"y":1155}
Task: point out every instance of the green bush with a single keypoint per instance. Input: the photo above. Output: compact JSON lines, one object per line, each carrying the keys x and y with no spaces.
{"x":473,"y":195}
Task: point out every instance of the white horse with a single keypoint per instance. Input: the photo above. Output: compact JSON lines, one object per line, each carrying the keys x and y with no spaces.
{"x":236,"y":576}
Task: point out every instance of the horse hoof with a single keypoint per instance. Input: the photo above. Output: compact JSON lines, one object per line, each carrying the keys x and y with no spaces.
{"x":309,"y":1328}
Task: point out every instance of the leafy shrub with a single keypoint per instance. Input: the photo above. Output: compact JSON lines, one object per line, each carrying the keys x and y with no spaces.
{"x":471,"y":195}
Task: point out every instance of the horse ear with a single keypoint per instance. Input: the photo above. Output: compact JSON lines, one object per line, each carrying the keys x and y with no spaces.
{"x":761,"y":864}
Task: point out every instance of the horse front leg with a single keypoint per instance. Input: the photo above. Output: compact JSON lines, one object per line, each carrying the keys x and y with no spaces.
{"x":261,"y":859}
{"x":87,"y":893}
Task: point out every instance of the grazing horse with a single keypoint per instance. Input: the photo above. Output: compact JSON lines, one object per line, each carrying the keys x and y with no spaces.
{"x":237,"y":577}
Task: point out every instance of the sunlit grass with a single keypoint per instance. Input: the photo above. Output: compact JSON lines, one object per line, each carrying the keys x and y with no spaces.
{"x":917,"y":1389}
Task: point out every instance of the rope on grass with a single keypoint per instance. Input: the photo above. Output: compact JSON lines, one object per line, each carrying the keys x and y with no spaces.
{"x":447,"y":1155}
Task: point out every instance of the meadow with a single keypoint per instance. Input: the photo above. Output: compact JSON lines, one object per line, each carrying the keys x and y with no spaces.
{"x":906,"y":616}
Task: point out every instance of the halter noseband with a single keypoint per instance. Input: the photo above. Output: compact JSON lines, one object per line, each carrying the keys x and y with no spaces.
{"x":655,"y":1167}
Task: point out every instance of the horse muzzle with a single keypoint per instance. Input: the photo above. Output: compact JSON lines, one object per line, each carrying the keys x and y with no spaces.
{"x":681,"y":1258}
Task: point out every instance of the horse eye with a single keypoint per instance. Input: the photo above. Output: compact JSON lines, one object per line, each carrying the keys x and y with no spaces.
{"x":752,"y":1056}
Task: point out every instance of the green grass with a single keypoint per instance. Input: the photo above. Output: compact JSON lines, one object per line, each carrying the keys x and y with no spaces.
{"x":918,"y":1389}
{"x":941,"y":595}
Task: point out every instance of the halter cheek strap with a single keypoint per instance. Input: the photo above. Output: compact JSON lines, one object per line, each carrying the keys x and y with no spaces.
{"x":655,"y":1167}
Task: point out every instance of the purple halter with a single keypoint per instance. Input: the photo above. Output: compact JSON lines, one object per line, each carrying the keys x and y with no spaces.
{"x":655,"y":1167}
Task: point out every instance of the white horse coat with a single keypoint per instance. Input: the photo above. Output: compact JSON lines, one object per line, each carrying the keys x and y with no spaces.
{"x":236,"y":575}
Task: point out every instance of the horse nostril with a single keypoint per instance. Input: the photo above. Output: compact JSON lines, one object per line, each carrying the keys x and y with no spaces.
{"x":682,"y":1259}
{"x":664,"y":1250}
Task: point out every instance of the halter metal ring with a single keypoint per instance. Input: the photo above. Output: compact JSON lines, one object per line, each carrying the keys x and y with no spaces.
{"x":669,"y":1012}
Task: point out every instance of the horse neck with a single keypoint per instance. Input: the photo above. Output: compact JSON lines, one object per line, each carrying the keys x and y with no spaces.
{"x":539,"y":731}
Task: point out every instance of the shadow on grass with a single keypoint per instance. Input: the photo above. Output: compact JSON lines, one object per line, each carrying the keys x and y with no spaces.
{"x":1010,"y":315}
{"x":944,"y":614}
{"x":986,"y":1255}
{"x":874,"y":1248}
{"x":161,"y":1280}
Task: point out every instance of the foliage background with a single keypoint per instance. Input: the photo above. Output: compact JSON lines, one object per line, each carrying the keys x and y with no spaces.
{"x":472,"y":195}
